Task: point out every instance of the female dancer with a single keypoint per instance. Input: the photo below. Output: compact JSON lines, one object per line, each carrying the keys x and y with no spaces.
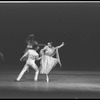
{"x":47,"y":59}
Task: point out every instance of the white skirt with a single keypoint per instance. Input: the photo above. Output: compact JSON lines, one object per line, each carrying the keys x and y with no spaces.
{"x":47,"y":63}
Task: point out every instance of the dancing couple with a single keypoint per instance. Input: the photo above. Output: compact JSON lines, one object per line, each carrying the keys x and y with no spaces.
{"x":47,"y":61}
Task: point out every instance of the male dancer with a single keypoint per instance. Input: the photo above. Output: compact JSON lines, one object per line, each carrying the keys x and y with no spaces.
{"x":32,"y":56}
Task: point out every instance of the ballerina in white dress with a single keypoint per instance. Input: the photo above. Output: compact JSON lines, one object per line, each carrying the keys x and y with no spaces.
{"x":47,"y":59}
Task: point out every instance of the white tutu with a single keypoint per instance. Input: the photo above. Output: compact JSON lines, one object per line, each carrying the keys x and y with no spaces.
{"x":47,"y":63}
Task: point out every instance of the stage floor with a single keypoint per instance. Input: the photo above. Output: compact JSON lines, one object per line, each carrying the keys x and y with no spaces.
{"x":63,"y":84}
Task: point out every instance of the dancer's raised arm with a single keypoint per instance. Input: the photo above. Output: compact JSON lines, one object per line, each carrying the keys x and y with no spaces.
{"x":23,"y":56}
{"x":60,"y":45}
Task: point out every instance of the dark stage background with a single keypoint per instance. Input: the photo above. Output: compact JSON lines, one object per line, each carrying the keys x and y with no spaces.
{"x":78,"y":25}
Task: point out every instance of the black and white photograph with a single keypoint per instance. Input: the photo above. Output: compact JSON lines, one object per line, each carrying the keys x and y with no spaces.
{"x":50,"y":49}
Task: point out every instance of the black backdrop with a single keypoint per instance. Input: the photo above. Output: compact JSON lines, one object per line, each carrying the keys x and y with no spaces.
{"x":78,"y":25}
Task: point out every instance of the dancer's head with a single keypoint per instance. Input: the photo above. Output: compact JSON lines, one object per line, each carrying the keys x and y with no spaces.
{"x":30,"y":38}
{"x":30,"y":43}
{"x":35,"y":42}
{"x":49,"y":44}
{"x":36,"y":48}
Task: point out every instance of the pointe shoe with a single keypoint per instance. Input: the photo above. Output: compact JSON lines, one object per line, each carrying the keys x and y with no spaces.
{"x":47,"y":80}
{"x":16,"y":80}
{"x":35,"y":79}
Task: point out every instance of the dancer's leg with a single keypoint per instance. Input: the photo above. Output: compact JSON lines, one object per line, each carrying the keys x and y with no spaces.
{"x":36,"y":75}
{"x":35,"y":67}
{"x":47,"y":77}
{"x":22,"y":72}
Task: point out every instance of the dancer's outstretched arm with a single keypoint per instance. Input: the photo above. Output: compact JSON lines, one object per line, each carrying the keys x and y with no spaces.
{"x":23,"y":56}
{"x":39,"y":58}
{"x":42,"y":50}
{"x":41,"y":44}
{"x":60,"y":45}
